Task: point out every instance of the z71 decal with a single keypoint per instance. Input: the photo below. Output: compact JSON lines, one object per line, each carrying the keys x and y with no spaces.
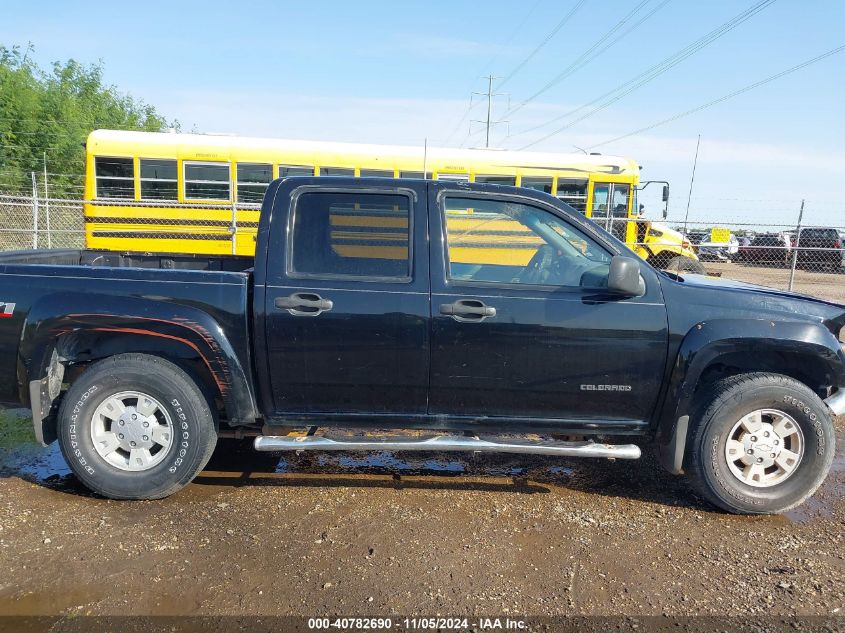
{"x":6,"y":310}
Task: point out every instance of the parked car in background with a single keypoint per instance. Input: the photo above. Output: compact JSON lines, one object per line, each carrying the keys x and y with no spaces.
{"x":819,"y":246}
{"x":772,"y":249}
{"x":710,"y":251}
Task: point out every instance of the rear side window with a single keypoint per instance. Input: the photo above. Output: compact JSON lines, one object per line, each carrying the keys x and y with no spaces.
{"x":351,"y":235}
{"x":115,"y":177}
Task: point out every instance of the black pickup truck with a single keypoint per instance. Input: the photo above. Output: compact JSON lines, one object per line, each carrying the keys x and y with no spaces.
{"x":482,"y":318}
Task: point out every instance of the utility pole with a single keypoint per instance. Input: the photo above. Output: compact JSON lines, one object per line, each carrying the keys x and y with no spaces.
{"x":489,"y":122}
{"x":691,"y":182}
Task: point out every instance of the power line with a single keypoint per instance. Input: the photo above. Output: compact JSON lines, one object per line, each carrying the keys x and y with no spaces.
{"x":585,"y":57}
{"x":489,"y":65}
{"x":504,"y":44}
{"x":545,"y":41}
{"x":730,"y":95}
{"x":623,"y":90}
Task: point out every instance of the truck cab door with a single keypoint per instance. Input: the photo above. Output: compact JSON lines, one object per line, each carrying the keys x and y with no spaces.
{"x":521,"y":326}
{"x":346,"y":301}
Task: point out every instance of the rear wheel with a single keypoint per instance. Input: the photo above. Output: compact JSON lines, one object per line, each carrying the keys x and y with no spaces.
{"x":681,"y":264}
{"x":760,"y":444}
{"x":135,"y":427}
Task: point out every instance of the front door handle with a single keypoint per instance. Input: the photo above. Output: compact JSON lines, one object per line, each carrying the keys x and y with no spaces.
{"x":304,"y":304}
{"x":468,"y":310}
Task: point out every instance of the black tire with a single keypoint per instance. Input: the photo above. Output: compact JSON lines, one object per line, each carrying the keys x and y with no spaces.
{"x":681,"y":264}
{"x":192,"y":442}
{"x":726,"y":402}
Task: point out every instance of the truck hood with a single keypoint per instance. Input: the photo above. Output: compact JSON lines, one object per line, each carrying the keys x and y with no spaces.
{"x":762,"y":300}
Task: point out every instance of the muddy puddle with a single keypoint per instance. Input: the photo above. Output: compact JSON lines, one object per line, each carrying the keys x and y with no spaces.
{"x":235,"y":464}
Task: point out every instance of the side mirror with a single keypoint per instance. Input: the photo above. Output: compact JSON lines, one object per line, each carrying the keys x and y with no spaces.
{"x":665,"y":193}
{"x":624,"y":277}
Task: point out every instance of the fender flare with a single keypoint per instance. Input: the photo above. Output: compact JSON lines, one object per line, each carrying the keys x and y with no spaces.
{"x":48,"y":340}
{"x":709,"y":341}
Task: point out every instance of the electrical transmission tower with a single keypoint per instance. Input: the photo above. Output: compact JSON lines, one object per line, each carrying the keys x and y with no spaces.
{"x":489,"y":122}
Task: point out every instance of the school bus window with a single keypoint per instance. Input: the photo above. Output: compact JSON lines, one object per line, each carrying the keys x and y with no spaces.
{"x":376,"y":173}
{"x":115,"y":177}
{"x":573,"y":193}
{"x":538,"y":183}
{"x":207,"y":181}
{"x":496,"y":180}
{"x":158,"y":179}
{"x":253,"y":179}
{"x":287,"y":171}
{"x":411,"y":174}
{"x":337,"y":171}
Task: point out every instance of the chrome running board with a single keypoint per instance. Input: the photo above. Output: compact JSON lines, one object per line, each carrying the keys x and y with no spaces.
{"x":447,"y":443}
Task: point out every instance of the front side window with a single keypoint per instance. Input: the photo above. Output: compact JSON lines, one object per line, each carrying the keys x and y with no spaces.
{"x":158,"y":179}
{"x":501,"y":242}
{"x":253,"y":179}
{"x":207,"y":181}
{"x":418,"y":175}
{"x":115,"y":177}
{"x":351,"y":235}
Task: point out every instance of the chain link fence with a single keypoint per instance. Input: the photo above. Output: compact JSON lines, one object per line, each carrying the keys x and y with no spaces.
{"x":805,"y":256}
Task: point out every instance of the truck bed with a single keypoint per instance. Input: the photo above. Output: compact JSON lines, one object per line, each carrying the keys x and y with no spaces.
{"x":87,"y":257}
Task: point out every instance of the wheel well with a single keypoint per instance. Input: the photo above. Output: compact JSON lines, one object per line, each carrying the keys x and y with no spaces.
{"x":804,"y":368}
{"x":81,"y":349}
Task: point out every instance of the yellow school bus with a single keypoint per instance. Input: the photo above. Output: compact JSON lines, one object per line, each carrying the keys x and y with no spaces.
{"x":200,"y":194}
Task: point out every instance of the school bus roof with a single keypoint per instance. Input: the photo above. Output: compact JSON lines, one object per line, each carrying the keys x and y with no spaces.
{"x":241,"y":148}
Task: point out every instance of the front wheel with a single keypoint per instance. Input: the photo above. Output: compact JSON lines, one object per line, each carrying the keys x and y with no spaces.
{"x":135,"y":427}
{"x":760,"y":444}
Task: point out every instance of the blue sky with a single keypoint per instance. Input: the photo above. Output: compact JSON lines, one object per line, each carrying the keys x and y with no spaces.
{"x":400,"y":72}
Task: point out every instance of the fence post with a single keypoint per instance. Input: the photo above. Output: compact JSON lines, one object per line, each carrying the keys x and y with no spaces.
{"x":47,"y":204}
{"x":795,"y":248}
{"x":233,"y":228}
{"x":34,"y":212}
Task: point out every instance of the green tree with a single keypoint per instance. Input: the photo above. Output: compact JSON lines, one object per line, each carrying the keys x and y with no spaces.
{"x":51,"y":112}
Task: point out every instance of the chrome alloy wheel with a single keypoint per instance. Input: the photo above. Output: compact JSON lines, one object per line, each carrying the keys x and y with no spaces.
{"x":764,"y":448}
{"x":132,"y":431}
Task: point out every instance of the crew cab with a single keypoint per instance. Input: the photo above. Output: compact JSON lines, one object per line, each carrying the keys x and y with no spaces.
{"x":485,"y":318}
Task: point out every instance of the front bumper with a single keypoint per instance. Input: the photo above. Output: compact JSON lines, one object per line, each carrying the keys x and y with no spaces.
{"x":836,"y":402}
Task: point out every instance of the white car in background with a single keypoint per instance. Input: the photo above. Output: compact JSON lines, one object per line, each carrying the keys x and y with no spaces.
{"x":718,"y":251}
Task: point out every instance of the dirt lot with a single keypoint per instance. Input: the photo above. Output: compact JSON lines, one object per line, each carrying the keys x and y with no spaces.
{"x":327,"y":534}
{"x":825,"y":284}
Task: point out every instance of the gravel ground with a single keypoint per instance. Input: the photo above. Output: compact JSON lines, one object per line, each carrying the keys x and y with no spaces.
{"x":827,"y":285}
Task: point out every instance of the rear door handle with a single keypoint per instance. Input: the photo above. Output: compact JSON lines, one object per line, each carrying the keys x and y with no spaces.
{"x":304,"y":304}
{"x":468,"y":310}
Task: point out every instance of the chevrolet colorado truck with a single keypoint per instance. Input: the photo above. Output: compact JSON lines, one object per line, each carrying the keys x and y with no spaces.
{"x":420,"y":315}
